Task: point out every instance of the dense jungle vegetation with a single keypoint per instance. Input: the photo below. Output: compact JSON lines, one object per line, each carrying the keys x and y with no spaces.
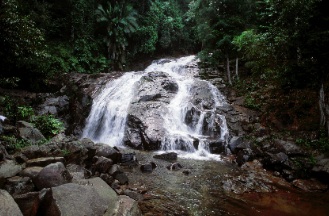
{"x":273,"y":41}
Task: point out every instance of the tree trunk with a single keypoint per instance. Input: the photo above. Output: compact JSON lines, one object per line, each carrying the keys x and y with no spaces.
{"x":237,"y":68}
{"x":324,"y":110}
{"x":228,"y":70}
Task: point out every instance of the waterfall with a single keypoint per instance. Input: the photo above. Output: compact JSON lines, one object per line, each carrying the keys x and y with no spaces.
{"x":191,"y":122}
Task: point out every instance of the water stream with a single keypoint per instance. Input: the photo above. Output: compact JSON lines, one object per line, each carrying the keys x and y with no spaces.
{"x":107,"y":119}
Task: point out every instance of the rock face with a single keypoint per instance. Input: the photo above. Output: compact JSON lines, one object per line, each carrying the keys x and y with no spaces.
{"x":28,"y":132}
{"x":144,"y":128}
{"x":8,"y":206}
{"x":9,"y":168}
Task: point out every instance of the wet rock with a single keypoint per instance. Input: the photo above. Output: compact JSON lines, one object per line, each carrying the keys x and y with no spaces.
{"x":114,"y":169}
{"x":28,"y":203}
{"x":52,"y":175}
{"x":216,"y":147}
{"x":128,"y":157}
{"x":126,"y":206}
{"x":310,"y":185}
{"x":186,"y":172}
{"x":170,"y":156}
{"x":244,"y":156}
{"x":148,"y":168}
{"x":8,"y":206}
{"x":174,"y":166}
{"x":28,"y":132}
{"x":9,"y":168}
{"x":277,"y":162}
{"x":238,"y":143}
{"x":42,"y":162}
{"x":321,"y":169}
{"x":144,"y":129}
{"x":101,"y":164}
{"x":108,"y":152}
{"x":89,"y":197}
{"x":30,"y":172}
{"x":107,"y":178}
{"x":19,"y":185}
{"x":121,"y":177}
{"x":133,"y":194}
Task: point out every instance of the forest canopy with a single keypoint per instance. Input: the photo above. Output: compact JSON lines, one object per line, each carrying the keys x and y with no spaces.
{"x":286,"y":40}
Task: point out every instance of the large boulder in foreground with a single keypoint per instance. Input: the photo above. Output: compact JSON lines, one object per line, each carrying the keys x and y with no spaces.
{"x":89,"y":197}
{"x":144,"y":129}
{"x":8,"y":206}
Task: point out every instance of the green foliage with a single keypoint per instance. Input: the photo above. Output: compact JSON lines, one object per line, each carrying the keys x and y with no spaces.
{"x":48,"y":125}
{"x":22,"y":44}
{"x":165,"y":28}
{"x":217,"y":22}
{"x":24,"y":112}
{"x":251,"y":102}
{"x":81,"y":59}
{"x":15,"y":144}
{"x":119,"y":21}
{"x":321,"y":143}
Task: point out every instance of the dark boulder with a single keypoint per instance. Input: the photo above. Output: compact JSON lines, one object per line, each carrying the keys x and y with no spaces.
{"x":174,"y":166}
{"x":28,"y":203}
{"x":148,"y":168}
{"x":103,"y":150}
{"x":101,"y":165}
{"x":52,"y":175}
{"x":170,"y":156}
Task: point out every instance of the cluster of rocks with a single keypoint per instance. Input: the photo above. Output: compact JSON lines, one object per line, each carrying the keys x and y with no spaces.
{"x":284,"y":158}
{"x":67,"y":177}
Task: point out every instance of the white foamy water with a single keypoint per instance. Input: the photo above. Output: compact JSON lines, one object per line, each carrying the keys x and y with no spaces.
{"x":107,"y":119}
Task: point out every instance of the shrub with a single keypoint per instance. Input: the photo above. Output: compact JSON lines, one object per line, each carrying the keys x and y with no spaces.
{"x":48,"y":125}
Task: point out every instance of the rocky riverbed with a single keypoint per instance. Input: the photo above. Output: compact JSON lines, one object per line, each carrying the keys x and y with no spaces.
{"x":69,"y":177}
{"x":259,"y":172}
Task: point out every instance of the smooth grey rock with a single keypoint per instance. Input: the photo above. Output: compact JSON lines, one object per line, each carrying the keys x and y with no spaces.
{"x":8,"y":206}
{"x":9,"y":168}
{"x":89,"y":197}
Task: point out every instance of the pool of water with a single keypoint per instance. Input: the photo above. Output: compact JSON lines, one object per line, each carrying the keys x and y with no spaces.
{"x":201,"y":193}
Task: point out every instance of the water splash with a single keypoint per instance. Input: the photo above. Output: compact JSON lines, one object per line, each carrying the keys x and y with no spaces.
{"x":190,"y":125}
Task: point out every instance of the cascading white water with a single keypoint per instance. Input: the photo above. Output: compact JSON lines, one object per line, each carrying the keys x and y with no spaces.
{"x":107,"y":119}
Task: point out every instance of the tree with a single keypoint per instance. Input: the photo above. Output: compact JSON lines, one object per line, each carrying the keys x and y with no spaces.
{"x":217,"y":24}
{"x":120,"y":21}
{"x":23,"y":51}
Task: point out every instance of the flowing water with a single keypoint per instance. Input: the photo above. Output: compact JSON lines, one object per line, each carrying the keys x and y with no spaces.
{"x":107,"y":119}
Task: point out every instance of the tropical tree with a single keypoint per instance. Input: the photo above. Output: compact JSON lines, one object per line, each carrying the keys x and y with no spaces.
{"x":120,"y":21}
{"x":218,"y":22}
